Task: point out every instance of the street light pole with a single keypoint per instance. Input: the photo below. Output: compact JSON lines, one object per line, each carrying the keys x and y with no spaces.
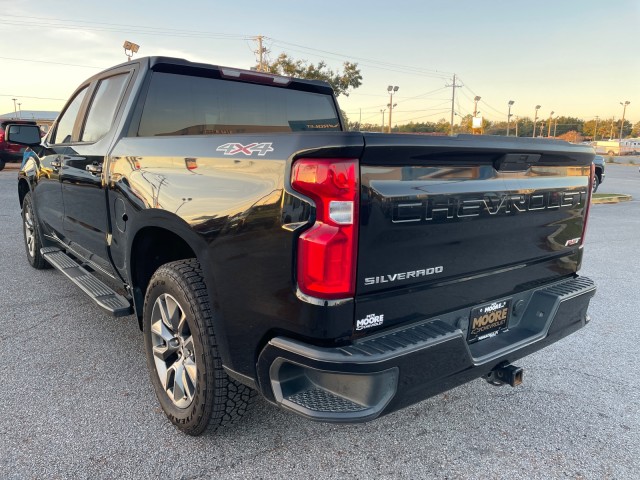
{"x":511,"y":102}
{"x":15,"y":109}
{"x":624,"y":110}
{"x":19,"y":110}
{"x":613,"y":119}
{"x":555,"y":127}
{"x":549,"y":130}
{"x":391,"y":89}
{"x":595,"y":130}
{"x":382,"y":125}
{"x":535,"y":120}
{"x":476,"y":99}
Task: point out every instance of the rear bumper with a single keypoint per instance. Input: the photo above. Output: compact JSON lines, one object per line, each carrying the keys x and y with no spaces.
{"x":386,"y":372}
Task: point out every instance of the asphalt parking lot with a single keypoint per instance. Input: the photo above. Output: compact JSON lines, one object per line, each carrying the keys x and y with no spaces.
{"x":77,"y":401}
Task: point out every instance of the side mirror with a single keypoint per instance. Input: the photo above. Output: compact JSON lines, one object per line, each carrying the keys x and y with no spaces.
{"x":28,"y":135}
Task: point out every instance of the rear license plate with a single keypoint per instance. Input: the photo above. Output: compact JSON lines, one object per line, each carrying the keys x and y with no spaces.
{"x":488,"y":320}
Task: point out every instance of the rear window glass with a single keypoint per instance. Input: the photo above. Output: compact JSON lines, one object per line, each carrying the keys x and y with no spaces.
{"x":187,"y":105}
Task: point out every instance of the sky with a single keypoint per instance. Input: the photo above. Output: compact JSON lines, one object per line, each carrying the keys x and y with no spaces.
{"x":576,"y":58}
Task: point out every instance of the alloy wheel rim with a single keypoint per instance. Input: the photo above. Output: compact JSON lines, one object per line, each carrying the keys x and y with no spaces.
{"x":29,"y":231}
{"x":173,"y":350}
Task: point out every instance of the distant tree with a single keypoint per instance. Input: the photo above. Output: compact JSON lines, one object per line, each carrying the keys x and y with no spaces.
{"x":499,"y":128}
{"x":364,"y":127}
{"x":340,"y":81}
{"x":567,"y":124}
{"x":588,"y":129}
{"x":572,"y":136}
{"x":465,"y":124}
{"x":635,"y":131}
{"x":627,"y":128}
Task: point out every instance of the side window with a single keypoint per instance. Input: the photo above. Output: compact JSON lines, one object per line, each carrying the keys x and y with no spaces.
{"x":64,"y":130}
{"x":103,"y":107}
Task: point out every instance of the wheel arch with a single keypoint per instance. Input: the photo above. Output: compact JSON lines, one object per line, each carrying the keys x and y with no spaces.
{"x":23,"y":189}
{"x":159,"y":241}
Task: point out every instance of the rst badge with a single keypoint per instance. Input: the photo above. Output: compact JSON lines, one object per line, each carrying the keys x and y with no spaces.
{"x":235,"y":148}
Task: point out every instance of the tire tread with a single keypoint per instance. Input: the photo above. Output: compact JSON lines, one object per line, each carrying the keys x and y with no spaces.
{"x":228,"y":400}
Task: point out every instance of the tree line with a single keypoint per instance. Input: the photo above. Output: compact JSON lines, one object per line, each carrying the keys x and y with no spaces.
{"x":570,"y":128}
{"x":342,"y":81}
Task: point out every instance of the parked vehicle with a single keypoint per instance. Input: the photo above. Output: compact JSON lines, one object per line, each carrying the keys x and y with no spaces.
{"x":599,"y":168}
{"x":10,"y":152}
{"x":342,"y":275}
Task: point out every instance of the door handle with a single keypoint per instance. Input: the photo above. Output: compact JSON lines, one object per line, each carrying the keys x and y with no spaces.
{"x":94,"y":169}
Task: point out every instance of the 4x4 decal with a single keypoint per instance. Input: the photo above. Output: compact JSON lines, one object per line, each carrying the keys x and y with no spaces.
{"x":235,"y":148}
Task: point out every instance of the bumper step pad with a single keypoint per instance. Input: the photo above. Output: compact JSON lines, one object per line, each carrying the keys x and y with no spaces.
{"x":104,"y":296}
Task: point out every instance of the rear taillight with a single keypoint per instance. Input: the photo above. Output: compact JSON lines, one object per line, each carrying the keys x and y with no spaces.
{"x":588,"y":205}
{"x":327,"y":251}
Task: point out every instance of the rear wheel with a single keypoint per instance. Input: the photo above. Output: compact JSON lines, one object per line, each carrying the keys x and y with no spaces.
{"x":182,"y":353}
{"x":596,"y":183}
{"x":2,"y":165}
{"x":31,"y":233}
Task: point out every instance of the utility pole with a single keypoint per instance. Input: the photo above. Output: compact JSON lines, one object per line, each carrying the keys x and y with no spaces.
{"x":517,"y":118}
{"x":555,"y":127}
{"x":595,"y":130}
{"x":549,"y":130}
{"x":15,"y":109}
{"x":453,"y":100}
{"x":382,"y":125}
{"x":19,"y":110}
{"x":261,"y":51}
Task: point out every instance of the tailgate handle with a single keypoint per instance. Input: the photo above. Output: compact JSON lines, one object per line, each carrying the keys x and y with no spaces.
{"x":515,"y":162}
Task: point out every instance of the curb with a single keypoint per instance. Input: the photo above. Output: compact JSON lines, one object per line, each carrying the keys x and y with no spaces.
{"x":613,"y":198}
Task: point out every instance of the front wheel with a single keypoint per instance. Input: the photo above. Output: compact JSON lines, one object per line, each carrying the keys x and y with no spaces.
{"x":596,"y":183}
{"x":2,"y":164}
{"x":182,"y":353}
{"x":31,"y":234}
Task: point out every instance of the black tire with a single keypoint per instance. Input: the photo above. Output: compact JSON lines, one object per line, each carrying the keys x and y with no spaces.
{"x":2,"y":164}
{"x":203,"y":397}
{"x":596,"y":183}
{"x":31,"y":234}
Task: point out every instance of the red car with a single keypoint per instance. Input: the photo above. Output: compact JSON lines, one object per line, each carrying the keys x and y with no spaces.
{"x":10,"y":152}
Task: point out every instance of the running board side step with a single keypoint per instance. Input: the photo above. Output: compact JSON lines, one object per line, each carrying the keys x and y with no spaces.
{"x":104,"y":296}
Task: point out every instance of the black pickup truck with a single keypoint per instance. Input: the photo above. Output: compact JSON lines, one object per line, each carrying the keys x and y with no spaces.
{"x":262,"y":248}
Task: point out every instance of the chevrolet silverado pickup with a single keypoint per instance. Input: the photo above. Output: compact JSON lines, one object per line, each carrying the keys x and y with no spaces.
{"x":262,"y":248}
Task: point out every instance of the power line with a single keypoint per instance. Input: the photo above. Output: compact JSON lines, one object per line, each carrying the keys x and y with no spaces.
{"x":501,"y":113}
{"x":52,"y":63}
{"x":35,"y":98}
{"x":367,"y":61}
{"x":104,"y":26}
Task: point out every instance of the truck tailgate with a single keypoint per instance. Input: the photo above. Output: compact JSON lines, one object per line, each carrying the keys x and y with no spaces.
{"x":450,"y":222}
